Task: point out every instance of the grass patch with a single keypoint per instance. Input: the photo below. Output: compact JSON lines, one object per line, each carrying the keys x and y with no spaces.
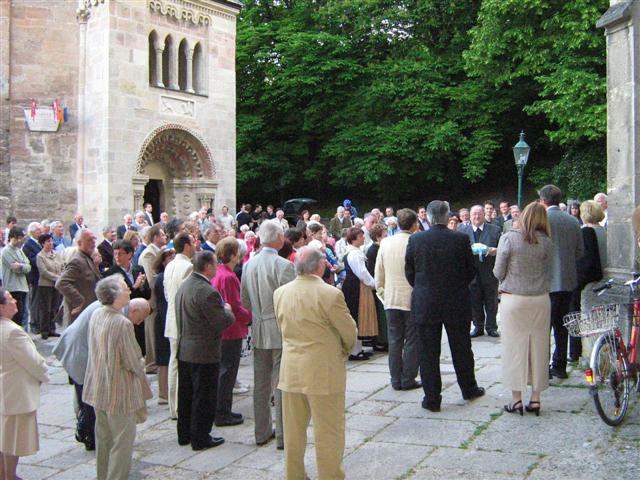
{"x":479,"y":430}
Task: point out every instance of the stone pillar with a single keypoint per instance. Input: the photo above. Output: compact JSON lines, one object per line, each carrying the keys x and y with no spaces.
{"x":158,"y":48}
{"x":139,"y":182}
{"x":173,"y":67}
{"x":82,"y":16}
{"x":622,"y":28}
{"x":189,"y":57}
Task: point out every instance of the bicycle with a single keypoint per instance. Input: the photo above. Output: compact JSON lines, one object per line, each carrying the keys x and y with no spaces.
{"x":613,"y":366}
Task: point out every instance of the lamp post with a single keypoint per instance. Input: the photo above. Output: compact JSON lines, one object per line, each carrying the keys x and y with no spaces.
{"x":521,"y":155}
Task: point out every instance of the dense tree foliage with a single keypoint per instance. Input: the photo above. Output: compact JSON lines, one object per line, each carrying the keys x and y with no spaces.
{"x":401,"y":98}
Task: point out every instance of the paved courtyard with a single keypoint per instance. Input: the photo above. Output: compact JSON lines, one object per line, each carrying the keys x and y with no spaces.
{"x":389,"y":435}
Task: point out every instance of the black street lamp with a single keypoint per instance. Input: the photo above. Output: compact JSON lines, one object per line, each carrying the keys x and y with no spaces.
{"x":521,"y":155}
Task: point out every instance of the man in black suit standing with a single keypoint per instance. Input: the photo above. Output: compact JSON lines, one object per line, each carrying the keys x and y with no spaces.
{"x":134,"y":277}
{"x":148,"y":214}
{"x":423,"y":221}
{"x":201,"y":316}
{"x":439,"y":267}
{"x":484,"y":287}
{"x":126,"y":226}
{"x":505,"y":214}
{"x":105,"y":248}
{"x":77,"y":225}
{"x":31,"y":248}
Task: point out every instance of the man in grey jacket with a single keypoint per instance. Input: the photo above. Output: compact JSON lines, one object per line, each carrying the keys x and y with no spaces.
{"x":567,"y":249}
{"x":262,"y":275}
{"x":201,"y":316}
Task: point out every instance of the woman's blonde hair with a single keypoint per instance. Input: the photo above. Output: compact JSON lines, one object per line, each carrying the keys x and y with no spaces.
{"x":226,"y":249}
{"x":591,"y":212}
{"x":534,"y":219}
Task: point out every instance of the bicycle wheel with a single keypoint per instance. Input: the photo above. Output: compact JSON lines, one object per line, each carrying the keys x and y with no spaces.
{"x":610,"y":376}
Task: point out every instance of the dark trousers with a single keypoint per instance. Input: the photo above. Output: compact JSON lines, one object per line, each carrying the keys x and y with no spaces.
{"x":197,"y":392}
{"x":560,"y":304}
{"x":86,"y":418}
{"x":229,"y":363}
{"x":575,"y":343}
{"x":461,"y":354}
{"x":48,"y":304}
{"x":20,"y":298}
{"x":139,"y":331}
{"x":34,"y":318}
{"x":484,"y":304}
{"x":404,"y":348}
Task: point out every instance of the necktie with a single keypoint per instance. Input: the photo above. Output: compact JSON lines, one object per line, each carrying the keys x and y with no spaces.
{"x":476,"y":234}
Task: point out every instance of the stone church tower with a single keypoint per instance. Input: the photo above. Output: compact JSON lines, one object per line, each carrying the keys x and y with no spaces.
{"x":149,"y":91}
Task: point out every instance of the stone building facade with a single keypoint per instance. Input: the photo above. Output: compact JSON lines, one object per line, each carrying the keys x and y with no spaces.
{"x":149,"y":88}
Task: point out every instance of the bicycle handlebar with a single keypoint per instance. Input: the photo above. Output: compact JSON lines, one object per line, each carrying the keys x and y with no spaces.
{"x":632,"y":284}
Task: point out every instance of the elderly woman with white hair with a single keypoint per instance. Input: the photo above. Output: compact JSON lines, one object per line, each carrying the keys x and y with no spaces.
{"x":115,"y":384}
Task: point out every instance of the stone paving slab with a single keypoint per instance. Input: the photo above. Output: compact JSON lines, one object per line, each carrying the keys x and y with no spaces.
{"x":388,"y":434}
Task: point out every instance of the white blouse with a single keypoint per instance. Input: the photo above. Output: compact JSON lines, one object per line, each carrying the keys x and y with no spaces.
{"x":357,"y":262}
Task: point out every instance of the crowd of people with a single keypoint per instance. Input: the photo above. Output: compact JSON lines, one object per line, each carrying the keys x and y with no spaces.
{"x":184,"y":299}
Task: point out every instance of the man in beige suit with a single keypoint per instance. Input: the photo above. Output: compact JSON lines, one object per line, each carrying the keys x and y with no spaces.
{"x":317,"y":335}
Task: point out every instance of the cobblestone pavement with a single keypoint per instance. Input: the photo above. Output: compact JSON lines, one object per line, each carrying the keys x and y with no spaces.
{"x":389,"y":435}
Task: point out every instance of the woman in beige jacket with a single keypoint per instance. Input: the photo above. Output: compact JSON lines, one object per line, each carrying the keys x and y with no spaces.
{"x":523,"y":267}
{"x":22,"y":370}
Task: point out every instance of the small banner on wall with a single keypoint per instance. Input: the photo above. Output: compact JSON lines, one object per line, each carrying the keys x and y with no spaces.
{"x":46,"y":119}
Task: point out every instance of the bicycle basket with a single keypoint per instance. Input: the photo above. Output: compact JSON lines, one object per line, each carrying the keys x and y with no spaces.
{"x":600,"y":319}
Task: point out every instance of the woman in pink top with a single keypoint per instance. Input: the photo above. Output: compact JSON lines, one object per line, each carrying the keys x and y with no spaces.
{"x":227,"y":283}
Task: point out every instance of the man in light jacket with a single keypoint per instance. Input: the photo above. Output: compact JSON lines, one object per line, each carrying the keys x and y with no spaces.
{"x":317,"y":336}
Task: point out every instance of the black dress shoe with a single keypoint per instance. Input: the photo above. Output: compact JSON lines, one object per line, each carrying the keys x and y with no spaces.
{"x":413,"y":386}
{"x":361,"y":356}
{"x":236,"y":415}
{"x":229,"y":422}
{"x":183,"y":441}
{"x":396,"y":387}
{"x":45,"y":336}
{"x":493,"y":333}
{"x":212,"y":442}
{"x":477,"y":332}
{"x":89,"y":443}
{"x":475,"y":393}
{"x":432,"y":407}
{"x":54,"y":334}
{"x":264,"y":442}
{"x":280,"y":447}
{"x":556,"y":372}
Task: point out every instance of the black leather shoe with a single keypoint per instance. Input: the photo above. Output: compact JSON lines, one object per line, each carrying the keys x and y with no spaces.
{"x":236,"y":415}
{"x":396,"y":387}
{"x":229,"y":422}
{"x":477,"y":332}
{"x":45,"y":336}
{"x":280,"y":447}
{"x":413,"y":386}
{"x":493,"y":333}
{"x":54,"y":334}
{"x":183,"y":441}
{"x":432,"y":407}
{"x":556,"y":372}
{"x":89,"y":443}
{"x":475,"y":393}
{"x":211,"y":443}
{"x":271,"y":437}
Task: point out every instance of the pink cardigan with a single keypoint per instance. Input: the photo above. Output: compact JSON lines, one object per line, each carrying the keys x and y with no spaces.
{"x":227,"y":283}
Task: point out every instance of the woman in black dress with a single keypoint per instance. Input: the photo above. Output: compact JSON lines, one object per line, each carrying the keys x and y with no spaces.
{"x":377,"y":234}
{"x":162,"y":342}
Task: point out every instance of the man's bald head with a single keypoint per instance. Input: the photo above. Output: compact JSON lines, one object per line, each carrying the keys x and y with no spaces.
{"x":139,"y":309}
{"x":87,"y":241}
{"x":309,"y":261}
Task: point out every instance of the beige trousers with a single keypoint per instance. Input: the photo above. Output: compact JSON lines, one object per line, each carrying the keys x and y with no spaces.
{"x":115,"y":435}
{"x":327,"y":412}
{"x":173,"y":378}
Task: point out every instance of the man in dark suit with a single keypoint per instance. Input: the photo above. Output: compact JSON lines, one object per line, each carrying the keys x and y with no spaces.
{"x":423,"y":221}
{"x":439,"y":266}
{"x":568,"y":247}
{"x":31,"y":248}
{"x":77,"y":225}
{"x":484,"y":287}
{"x":134,"y":277}
{"x":126,"y":226}
{"x":78,"y":280}
{"x":148,"y":213}
{"x":201,"y":316}
{"x":105,"y":248}
{"x":504,"y":215}
{"x":212,"y":237}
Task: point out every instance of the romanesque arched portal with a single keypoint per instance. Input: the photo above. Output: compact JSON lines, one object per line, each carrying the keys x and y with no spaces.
{"x":179,"y":160}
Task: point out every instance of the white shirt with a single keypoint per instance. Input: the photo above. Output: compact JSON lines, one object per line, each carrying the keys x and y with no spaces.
{"x":357,"y":259}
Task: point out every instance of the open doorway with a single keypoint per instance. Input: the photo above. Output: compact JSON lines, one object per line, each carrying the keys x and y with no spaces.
{"x":154,"y":194}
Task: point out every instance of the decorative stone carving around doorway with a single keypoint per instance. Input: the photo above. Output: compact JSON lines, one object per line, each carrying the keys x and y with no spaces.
{"x":189,"y":178}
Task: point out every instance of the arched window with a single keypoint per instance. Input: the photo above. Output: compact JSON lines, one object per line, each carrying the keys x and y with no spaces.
{"x":182,"y":64}
{"x":198,"y":69}
{"x":154,"y":68}
{"x":168,"y":63}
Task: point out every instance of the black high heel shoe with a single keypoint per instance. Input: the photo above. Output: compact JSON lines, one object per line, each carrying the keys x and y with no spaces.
{"x":513,"y":407}
{"x":531,"y":408}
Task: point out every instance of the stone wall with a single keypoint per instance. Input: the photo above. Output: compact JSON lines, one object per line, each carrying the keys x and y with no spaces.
{"x":43,"y":45}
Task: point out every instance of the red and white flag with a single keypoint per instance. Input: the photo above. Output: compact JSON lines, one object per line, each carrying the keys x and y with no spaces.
{"x":56,"y":110}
